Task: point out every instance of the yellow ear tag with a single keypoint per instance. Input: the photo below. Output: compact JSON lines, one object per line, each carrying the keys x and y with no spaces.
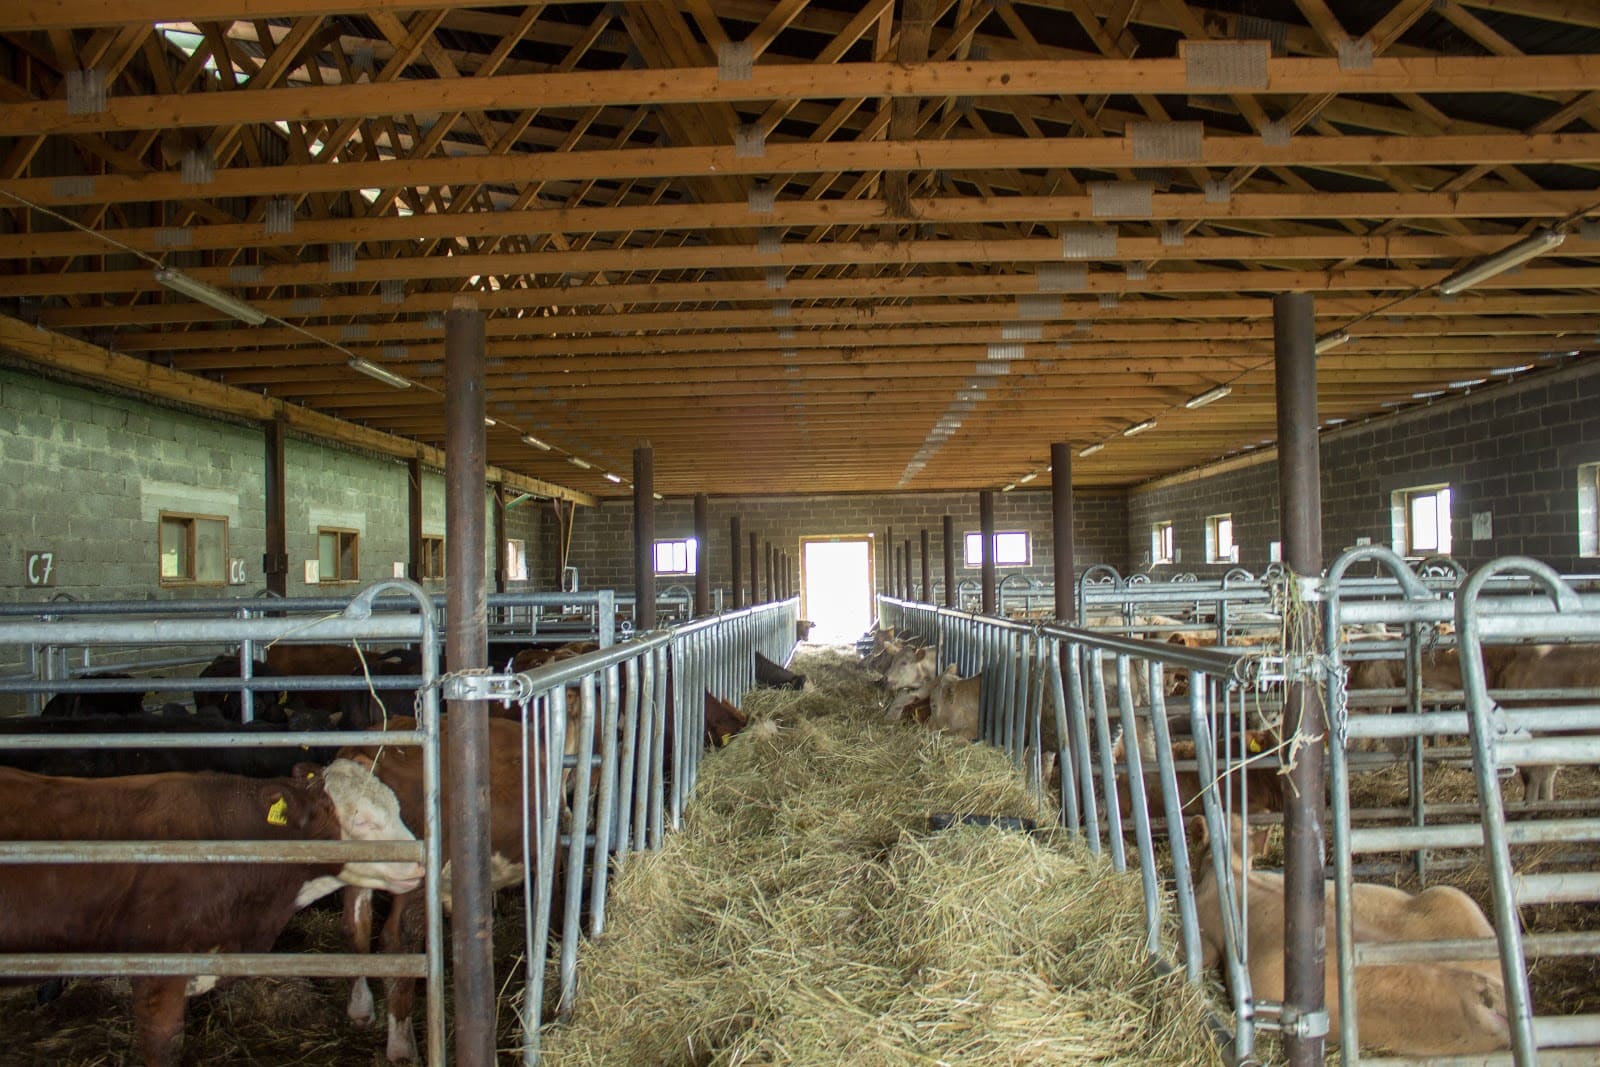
{"x":1253,"y":745}
{"x":722,"y":738}
{"x":278,"y":814}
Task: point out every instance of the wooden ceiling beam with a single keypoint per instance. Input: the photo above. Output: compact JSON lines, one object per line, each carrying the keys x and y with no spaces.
{"x":771,"y":82}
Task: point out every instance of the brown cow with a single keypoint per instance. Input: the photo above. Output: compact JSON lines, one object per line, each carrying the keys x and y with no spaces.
{"x":401,"y":770}
{"x":189,"y":907}
{"x":1413,"y":1009}
{"x":953,"y":704}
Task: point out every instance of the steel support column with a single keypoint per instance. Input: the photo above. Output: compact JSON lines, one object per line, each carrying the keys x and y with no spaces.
{"x":275,"y":555}
{"x":466,"y":648}
{"x":892,"y":575}
{"x":736,"y":561}
{"x":702,"y":553}
{"x":1061,"y":529}
{"x":497,"y":548}
{"x":1304,"y":718}
{"x":949,"y":561}
{"x":986,"y":524}
{"x":927,"y":567}
{"x":644,"y":538}
{"x":414,"y":519}
{"x":755,"y":568}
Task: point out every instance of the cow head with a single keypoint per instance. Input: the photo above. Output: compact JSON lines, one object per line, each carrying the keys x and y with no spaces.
{"x":368,"y":811}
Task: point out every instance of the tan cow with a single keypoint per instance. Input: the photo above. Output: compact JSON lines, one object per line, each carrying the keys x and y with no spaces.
{"x":910,"y":678}
{"x":953,"y":704}
{"x":1413,"y":1009}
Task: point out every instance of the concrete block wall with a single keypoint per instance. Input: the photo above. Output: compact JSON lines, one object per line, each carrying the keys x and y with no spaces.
{"x":602,"y":542}
{"x":1512,"y":451}
{"x":84,"y":475}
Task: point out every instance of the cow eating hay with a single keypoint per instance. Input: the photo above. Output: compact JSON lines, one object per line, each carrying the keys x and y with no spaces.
{"x":805,"y":915}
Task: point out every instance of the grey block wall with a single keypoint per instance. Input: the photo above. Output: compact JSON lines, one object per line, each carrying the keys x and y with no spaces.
{"x":85,"y":475}
{"x":1512,"y":451}
{"x":602,"y":543}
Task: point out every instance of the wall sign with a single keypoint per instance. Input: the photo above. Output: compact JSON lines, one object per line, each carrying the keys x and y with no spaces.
{"x":39,"y":568}
{"x":236,"y":572}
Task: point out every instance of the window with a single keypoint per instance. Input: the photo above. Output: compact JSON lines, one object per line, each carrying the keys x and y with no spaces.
{"x":1162,"y":543}
{"x":1589,"y":509}
{"x":432,"y":563}
{"x":194,"y":549}
{"x":336,"y":555}
{"x":1219,"y":540}
{"x":1011,"y":549}
{"x":675,"y":557}
{"x":516,"y":560}
{"x":1421,"y":519}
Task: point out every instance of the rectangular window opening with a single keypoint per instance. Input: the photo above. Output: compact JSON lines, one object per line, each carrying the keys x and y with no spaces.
{"x":1012,"y":548}
{"x":1162,"y":543}
{"x":1219,"y":540}
{"x":1421,"y":520}
{"x":516,"y":560}
{"x":193,"y":549}
{"x":431,"y":566}
{"x":675,"y":557}
{"x":337,"y":555}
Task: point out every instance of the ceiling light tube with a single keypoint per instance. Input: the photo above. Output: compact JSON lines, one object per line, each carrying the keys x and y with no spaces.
{"x":210,"y":296}
{"x":582,"y":465}
{"x":1139,"y":427}
{"x":1332,"y":340}
{"x":1535,"y":244}
{"x":488,"y":420}
{"x":1091,"y":450}
{"x":1210,"y":396}
{"x":529,"y":439}
{"x":1026,"y":478}
{"x":1008,"y":487}
{"x":615,"y":479}
{"x":383,"y":374}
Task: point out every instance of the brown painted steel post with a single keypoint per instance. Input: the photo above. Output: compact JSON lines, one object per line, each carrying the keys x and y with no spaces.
{"x":771,"y":570}
{"x":927,"y":568}
{"x":1304,"y":718}
{"x":702,"y":555}
{"x":466,"y":648}
{"x":414,"y":517}
{"x":736,"y":561}
{"x":644,"y":537}
{"x":891,"y":573}
{"x":1061,"y":527}
{"x":755,"y":568}
{"x":949,"y":561}
{"x":905,"y":571}
{"x":498,"y":549}
{"x":894,"y":572}
{"x":275,"y":554}
{"x":986,"y":524}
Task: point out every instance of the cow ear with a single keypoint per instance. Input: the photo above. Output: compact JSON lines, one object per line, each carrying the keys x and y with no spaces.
{"x":1199,"y":832}
{"x":307,"y":771}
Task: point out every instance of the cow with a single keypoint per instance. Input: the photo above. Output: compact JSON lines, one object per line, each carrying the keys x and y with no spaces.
{"x":953,"y":704}
{"x":723,"y":721}
{"x":803,"y":628}
{"x":910,"y":678}
{"x":1520,"y":667}
{"x":401,"y":770}
{"x":773,"y":676}
{"x":361,"y":709}
{"x":183,"y":907}
{"x":1411,"y":1009}
{"x":87,"y":703}
{"x":266,"y":704}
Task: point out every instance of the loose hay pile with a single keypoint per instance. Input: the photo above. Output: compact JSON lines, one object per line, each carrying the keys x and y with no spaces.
{"x":804,"y":916}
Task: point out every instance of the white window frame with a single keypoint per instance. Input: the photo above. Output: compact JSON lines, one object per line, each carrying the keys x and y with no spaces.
{"x":1012,"y":548}
{"x":190,"y":560}
{"x":1220,"y":549}
{"x":1163,"y":542}
{"x":1589,"y":510}
{"x":680,"y":555}
{"x":1404,"y":505}
{"x":516,"y":559}
{"x":339,"y":533}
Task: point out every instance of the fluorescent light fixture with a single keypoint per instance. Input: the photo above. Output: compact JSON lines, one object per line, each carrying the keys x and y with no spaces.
{"x":1429,"y":394}
{"x":1329,"y":341}
{"x":210,"y":296}
{"x":613,"y":478}
{"x":1210,"y":396}
{"x":489,"y":421}
{"x":1007,"y":488}
{"x":383,"y":374}
{"x":1139,"y":427}
{"x":529,"y":439}
{"x":1091,"y":450}
{"x":582,"y":465}
{"x":658,"y":496}
{"x":1535,"y":244}
{"x":1517,"y":368}
{"x":1026,"y":478}
{"x":1467,"y":383}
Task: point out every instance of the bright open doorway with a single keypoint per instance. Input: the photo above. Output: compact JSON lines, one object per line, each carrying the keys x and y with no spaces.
{"x":836,"y":586}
